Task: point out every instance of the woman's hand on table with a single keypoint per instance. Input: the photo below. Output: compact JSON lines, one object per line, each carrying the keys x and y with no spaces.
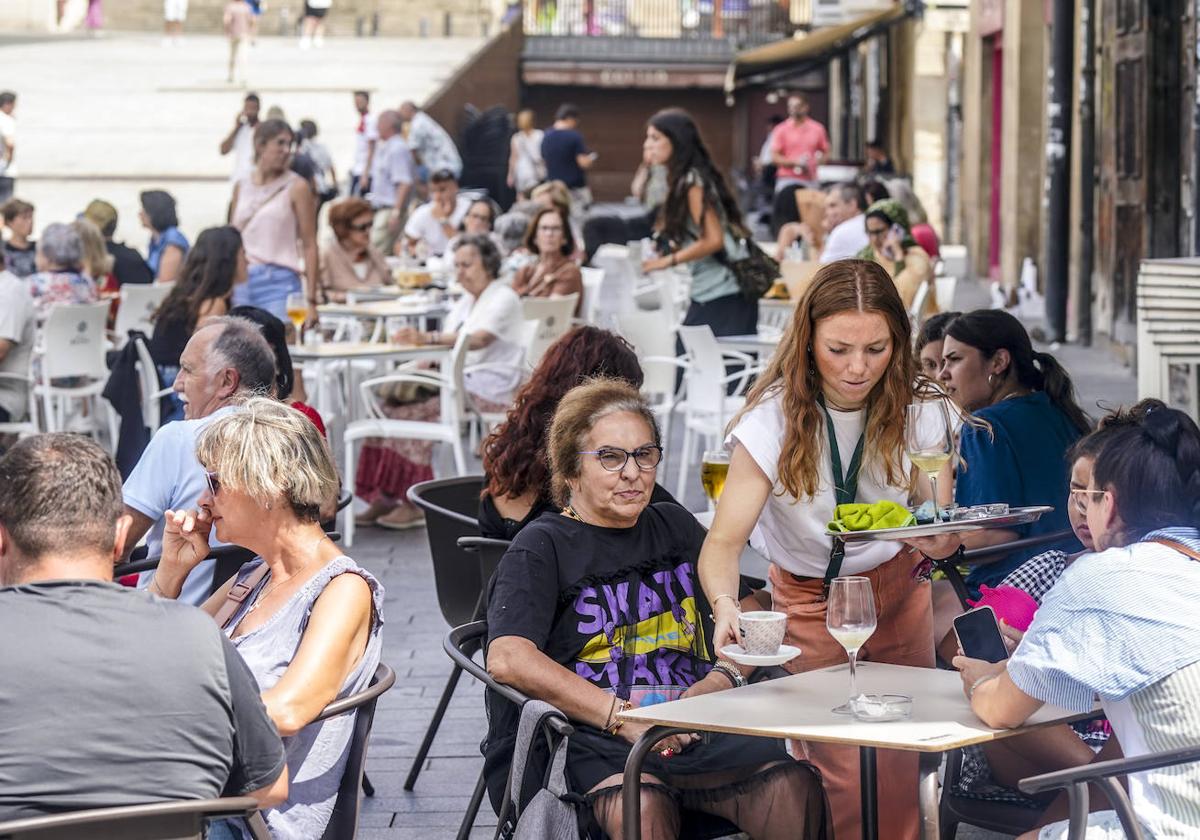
{"x":312,"y":318}
{"x":973,"y":670}
{"x":408,"y":335}
{"x":712,"y":682}
{"x":656,"y":264}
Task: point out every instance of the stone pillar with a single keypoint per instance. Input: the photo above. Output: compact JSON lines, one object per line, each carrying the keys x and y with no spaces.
{"x":976,"y":148}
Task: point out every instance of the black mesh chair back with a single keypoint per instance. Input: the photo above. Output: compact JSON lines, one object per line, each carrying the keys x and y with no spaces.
{"x":157,"y":821}
{"x":451,"y":506}
{"x":344,"y":822}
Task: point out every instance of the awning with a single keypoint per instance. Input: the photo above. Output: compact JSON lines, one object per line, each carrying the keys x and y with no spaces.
{"x":797,"y":56}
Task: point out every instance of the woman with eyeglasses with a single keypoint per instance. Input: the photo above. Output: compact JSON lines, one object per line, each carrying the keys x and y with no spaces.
{"x":890,"y":243}
{"x":555,"y":273}
{"x":349,"y":261}
{"x":597,"y":609}
{"x":1121,"y":623}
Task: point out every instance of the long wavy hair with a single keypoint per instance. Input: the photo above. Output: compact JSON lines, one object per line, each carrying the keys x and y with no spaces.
{"x":689,"y":153}
{"x":514,"y":455}
{"x":841,"y":286}
{"x":207,"y":273}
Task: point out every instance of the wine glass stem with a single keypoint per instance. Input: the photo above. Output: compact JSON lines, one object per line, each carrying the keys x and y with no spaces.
{"x":937,"y":516}
{"x":853,"y":654}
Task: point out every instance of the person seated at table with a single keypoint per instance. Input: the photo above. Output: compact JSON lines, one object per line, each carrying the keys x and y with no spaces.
{"x":510,"y":238}
{"x":890,"y":243}
{"x":59,"y":277}
{"x":204,"y":289}
{"x":930,"y":339}
{"x":1027,"y":400}
{"x":349,"y":261}
{"x":1122,"y":624}
{"x":556,"y":194}
{"x":168,"y":247}
{"x":559,"y":605}
{"x":96,"y":263}
{"x":309,"y":628}
{"x":514,"y":455}
{"x":224,"y":363}
{"x":430,"y":227}
{"x":147,"y":725}
{"x":555,"y":273}
{"x":843,"y":227}
{"x":289,"y":388}
{"x":490,"y":314}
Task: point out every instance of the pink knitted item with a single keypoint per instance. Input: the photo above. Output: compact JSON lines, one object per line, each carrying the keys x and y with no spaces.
{"x":1015,"y":606}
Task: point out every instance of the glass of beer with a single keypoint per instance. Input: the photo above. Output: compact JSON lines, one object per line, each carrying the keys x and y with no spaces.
{"x":929,"y":441}
{"x":713,"y":470}
{"x":297,"y":311}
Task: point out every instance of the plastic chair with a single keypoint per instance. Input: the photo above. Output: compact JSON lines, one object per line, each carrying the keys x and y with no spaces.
{"x":592,"y":278}
{"x":21,"y":428}
{"x":945,"y":288}
{"x":916,"y":311}
{"x":652,"y":335}
{"x":343,"y":824}
{"x":447,"y":429}
{"x":553,"y":315}
{"x":451,"y":507}
{"x":138,"y":303}
{"x":707,"y":406}
{"x":484,"y":421}
{"x":157,"y":821}
{"x":73,"y":347}
{"x":151,"y":390}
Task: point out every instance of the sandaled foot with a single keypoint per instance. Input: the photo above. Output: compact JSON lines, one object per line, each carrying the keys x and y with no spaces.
{"x":402,"y":518}
{"x":376,"y":509}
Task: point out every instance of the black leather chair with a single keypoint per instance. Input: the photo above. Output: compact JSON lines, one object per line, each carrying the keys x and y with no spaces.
{"x":157,"y":821}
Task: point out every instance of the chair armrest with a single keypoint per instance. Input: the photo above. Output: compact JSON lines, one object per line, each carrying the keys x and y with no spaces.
{"x":476,"y":633}
{"x":137,"y":566}
{"x":474,"y":544}
{"x":20,"y":377}
{"x":348,"y":704}
{"x":1105,"y":769}
{"x":738,"y":356}
{"x":365,"y":387}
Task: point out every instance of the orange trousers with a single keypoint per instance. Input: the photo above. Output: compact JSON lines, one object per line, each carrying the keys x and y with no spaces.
{"x":903,"y":636}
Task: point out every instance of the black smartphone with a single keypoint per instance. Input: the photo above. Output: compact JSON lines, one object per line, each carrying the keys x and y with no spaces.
{"x":979,"y":635}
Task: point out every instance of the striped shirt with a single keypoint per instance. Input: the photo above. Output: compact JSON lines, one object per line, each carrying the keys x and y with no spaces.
{"x":1123,"y":625}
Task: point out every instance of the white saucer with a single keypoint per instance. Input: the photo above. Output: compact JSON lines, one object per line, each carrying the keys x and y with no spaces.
{"x":785,"y":653}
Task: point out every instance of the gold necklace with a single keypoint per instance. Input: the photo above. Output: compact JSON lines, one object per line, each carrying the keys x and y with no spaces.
{"x":570,"y":513}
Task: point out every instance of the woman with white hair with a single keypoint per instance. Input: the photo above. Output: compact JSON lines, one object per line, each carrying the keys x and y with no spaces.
{"x":309,"y":627}
{"x":59,"y":278}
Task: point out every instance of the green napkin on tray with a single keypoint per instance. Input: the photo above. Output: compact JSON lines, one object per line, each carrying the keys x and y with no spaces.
{"x":871,"y":517}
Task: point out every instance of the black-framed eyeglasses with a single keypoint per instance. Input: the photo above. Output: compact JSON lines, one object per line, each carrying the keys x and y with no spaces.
{"x":614,"y":460}
{"x":214,"y":482}
{"x":877,"y":231}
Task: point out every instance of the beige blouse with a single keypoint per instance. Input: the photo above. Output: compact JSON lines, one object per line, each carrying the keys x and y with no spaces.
{"x":551,"y":275}
{"x":338,"y":275}
{"x":917,"y":269}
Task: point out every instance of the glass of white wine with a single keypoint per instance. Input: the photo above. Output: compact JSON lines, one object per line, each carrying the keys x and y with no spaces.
{"x":297,"y":312}
{"x":850,"y":618}
{"x":929,"y":441}
{"x":714,"y":469}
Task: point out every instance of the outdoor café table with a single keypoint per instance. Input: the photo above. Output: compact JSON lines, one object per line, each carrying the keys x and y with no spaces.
{"x":764,"y":343}
{"x":800,"y":706}
{"x":420,"y":309}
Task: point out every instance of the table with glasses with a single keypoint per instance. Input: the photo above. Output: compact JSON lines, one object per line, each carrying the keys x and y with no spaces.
{"x":801,"y":707}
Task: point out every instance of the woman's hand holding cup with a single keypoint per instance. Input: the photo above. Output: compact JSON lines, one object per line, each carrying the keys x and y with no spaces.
{"x":725,"y":623}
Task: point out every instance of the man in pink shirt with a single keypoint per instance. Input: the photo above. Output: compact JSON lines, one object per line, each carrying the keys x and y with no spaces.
{"x":798,"y":146}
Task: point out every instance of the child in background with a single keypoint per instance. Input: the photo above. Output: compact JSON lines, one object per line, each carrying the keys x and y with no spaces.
{"x":239,"y":19}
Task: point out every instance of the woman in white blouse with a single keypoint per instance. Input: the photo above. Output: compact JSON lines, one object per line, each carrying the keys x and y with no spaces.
{"x":490,"y":313}
{"x":845,"y":364}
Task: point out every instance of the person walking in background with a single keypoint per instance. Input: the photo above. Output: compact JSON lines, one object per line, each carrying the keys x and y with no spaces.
{"x":238,"y":19}
{"x":174,"y":14}
{"x":240,"y":141}
{"x":8,"y":145}
{"x":314,"y":23}
{"x":526,"y":169}
{"x":392,"y":177}
{"x":324,"y":175}
{"x":431,"y":144}
{"x":20,"y":252}
{"x":365,"y":136}
{"x":568,"y":159}
{"x":799,"y":145}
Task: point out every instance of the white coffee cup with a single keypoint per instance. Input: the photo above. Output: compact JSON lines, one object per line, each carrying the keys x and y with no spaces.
{"x":762,"y":631}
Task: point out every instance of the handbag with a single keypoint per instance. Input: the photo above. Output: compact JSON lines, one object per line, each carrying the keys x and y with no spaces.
{"x":755,"y":273}
{"x":551,"y":814}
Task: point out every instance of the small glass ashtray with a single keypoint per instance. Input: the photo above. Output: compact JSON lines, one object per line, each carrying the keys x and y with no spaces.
{"x":978,"y":512}
{"x":881,"y":708}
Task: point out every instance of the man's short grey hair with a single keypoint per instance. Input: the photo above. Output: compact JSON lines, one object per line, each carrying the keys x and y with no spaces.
{"x":241,"y":346}
{"x":511,"y":227}
{"x":393,"y":120}
{"x":850,"y":191}
{"x":61,"y":246}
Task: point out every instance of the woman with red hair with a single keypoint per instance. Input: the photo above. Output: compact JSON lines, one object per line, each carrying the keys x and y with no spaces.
{"x":348,"y":260}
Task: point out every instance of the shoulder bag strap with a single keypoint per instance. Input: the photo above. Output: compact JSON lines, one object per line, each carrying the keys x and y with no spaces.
{"x":287,"y":182}
{"x":1178,"y":546}
{"x":239,"y":593}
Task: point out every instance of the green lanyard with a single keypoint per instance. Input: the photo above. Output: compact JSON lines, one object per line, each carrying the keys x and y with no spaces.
{"x":845,"y":489}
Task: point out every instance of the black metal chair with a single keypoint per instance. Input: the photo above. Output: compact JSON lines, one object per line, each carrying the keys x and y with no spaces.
{"x":1102,"y":774}
{"x":157,"y":821}
{"x":344,"y":823}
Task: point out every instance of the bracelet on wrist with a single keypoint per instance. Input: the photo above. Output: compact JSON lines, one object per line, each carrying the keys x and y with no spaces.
{"x":737,"y":606}
{"x":736,"y":678}
{"x":615,"y":726}
{"x":976,"y":684}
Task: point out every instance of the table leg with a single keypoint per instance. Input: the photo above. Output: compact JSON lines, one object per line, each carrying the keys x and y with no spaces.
{"x":631,"y":788}
{"x":927,"y":795}
{"x":867,"y":780}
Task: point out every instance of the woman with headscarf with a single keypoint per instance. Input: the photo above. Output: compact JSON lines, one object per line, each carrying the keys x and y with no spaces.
{"x":891,"y":244}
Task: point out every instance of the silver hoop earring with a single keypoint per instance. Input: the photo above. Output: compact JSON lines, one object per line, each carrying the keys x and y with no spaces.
{"x":991,"y":380}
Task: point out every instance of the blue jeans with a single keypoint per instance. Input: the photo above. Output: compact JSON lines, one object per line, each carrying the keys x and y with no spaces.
{"x":268,"y":288}
{"x":224,"y":830}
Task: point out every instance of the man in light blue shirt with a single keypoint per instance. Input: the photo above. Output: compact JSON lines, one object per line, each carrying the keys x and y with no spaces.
{"x":226,"y":361}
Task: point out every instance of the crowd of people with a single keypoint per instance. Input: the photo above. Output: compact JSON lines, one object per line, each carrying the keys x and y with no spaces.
{"x":611,"y":595}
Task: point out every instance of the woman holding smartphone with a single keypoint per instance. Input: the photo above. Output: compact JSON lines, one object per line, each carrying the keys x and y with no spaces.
{"x":840,"y":383}
{"x":891,"y":244}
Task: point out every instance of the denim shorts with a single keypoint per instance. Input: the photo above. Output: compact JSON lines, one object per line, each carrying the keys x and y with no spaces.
{"x":268,"y":287}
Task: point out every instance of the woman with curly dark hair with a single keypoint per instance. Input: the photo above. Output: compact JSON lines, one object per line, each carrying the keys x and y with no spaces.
{"x":514,"y":455}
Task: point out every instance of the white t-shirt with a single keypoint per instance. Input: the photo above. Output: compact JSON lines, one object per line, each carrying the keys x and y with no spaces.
{"x":16,"y":325}
{"x":794,"y":531}
{"x":496,"y":311}
{"x":846,"y":239}
{"x":169,"y":477}
{"x":243,"y":153}
{"x":422,"y":226}
{"x":8,"y":133}
{"x":362,"y":142}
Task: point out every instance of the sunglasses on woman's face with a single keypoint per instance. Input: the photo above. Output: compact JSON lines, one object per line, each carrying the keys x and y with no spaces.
{"x":873,"y":232}
{"x":214,"y":483}
{"x":363,"y":228}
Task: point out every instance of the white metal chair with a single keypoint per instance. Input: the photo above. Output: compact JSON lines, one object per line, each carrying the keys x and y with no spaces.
{"x":447,"y":429}
{"x":553,"y":315}
{"x":152,"y":391}
{"x":652,"y":335}
{"x":706,"y":406}
{"x":916,"y":311}
{"x":72,"y":348}
{"x":945,"y":287}
{"x":775,"y":314}
{"x":29,"y":426}
{"x":482,"y":422}
{"x":139,"y":302}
